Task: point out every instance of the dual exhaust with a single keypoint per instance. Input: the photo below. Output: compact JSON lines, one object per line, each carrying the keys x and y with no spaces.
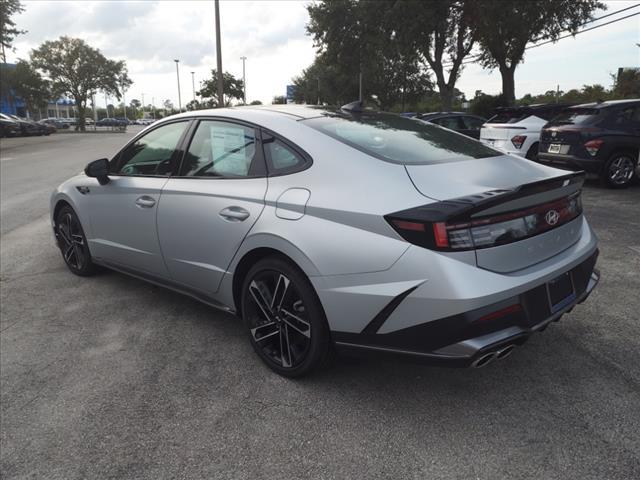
{"x":487,"y":358}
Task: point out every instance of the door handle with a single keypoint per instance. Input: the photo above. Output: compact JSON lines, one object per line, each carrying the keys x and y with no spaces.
{"x":234,"y":214}
{"x":145,"y":201}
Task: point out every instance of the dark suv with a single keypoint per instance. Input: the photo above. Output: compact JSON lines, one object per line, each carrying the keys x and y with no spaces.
{"x":601,"y":138}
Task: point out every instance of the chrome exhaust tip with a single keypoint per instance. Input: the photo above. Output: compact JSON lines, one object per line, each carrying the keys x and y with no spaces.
{"x":506,"y":351}
{"x":483,"y":360}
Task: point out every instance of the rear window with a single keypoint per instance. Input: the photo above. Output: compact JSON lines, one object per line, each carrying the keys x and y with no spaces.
{"x":509,"y":116}
{"x":400,"y":140}
{"x":576,"y":116}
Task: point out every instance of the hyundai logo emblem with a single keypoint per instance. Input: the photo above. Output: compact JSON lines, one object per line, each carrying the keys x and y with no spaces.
{"x":552,"y":217}
{"x":554,"y":134}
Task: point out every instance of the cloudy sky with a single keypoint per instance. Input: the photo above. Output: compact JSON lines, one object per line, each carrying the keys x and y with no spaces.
{"x":148,"y":35}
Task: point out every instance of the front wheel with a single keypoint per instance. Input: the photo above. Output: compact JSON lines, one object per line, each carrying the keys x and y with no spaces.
{"x":286,"y":322}
{"x":619,"y":170}
{"x":73,"y":243}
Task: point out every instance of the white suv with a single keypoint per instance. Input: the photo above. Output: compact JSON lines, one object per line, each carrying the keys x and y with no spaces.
{"x":516,"y":130}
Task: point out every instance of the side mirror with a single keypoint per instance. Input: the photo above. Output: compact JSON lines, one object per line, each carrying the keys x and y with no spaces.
{"x":98,"y":169}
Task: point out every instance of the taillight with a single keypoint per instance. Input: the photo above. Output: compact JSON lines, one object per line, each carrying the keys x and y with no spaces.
{"x":518,"y":141}
{"x":484,"y":232}
{"x":593,"y":146}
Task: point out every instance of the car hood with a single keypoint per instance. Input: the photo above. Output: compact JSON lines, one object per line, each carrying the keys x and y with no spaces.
{"x":457,"y":179}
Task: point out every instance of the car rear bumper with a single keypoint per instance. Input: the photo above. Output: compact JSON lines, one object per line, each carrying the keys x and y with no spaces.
{"x":571,"y":162}
{"x":475,"y":337}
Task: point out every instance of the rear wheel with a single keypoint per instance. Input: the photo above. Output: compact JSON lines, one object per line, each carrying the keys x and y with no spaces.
{"x":73,"y":243}
{"x":286,"y":322}
{"x":619,"y":170}
{"x":532,"y":153}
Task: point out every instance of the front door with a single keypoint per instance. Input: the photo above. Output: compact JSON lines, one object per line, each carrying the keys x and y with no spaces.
{"x":207,"y":210}
{"x":123,"y":212}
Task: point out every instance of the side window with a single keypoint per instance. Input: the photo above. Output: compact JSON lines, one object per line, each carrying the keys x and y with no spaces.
{"x":282,"y":158}
{"x":220,"y":149}
{"x":152,"y":153}
{"x":472,"y":123}
{"x":451,"y":123}
{"x":628,"y":115}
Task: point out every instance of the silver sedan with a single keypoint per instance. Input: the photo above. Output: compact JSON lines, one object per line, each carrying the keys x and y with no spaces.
{"x":337,"y":229}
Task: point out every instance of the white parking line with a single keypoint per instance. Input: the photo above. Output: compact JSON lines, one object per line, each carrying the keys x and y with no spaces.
{"x":635,"y":249}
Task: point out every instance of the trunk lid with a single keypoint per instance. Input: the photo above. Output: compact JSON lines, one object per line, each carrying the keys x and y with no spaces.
{"x":503,"y":191}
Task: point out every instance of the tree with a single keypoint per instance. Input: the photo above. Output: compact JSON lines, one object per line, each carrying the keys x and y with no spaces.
{"x":168,"y":105}
{"x":233,"y":88}
{"x":505,"y":28}
{"x":8,"y":30}
{"x":194,"y":105}
{"x":256,"y":102}
{"x":78,"y":70}
{"x":356,"y":38}
{"x":627,"y":83}
{"x":279,"y":100}
{"x":29,"y":85}
{"x":441,"y":32}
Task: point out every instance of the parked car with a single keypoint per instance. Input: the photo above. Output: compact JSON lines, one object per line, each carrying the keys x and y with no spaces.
{"x":29,"y":127}
{"x":8,"y":126}
{"x":89,"y":121}
{"x":56,"y":122}
{"x":600,"y":138}
{"x":516,"y":130}
{"x":110,"y":122}
{"x":460,"y":122}
{"x":50,"y":127}
{"x":342,"y":227}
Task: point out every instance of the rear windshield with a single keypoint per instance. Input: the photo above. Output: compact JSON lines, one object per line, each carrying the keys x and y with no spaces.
{"x":398,"y":139}
{"x":576,"y":116}
{"x":509,"y":116}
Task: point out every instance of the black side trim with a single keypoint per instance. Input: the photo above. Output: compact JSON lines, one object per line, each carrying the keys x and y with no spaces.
{"x":374,"y":325}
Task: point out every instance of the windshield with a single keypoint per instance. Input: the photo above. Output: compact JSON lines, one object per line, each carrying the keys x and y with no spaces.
{"x":509,"y":116}
{"x":399,"y":139}
{"x":576,"y":116}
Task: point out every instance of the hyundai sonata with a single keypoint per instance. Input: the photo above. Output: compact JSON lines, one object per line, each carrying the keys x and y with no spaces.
{"x":343,"y":228}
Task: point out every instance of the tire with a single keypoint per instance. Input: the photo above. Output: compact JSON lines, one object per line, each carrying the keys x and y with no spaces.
{"x":289,"y":334}
{"x":619,"y":170}
{"x":532,"y":153}
{"x":73,"y":243}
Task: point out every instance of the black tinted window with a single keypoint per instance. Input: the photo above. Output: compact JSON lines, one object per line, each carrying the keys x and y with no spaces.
{"x":151,"y":154}
{"x":472,"y":123}
{"x":627,"y":115}
{"x":452,"y":123}
{"x":576,"y":116}
{"x":398,"y":139}
{"x":281,"y":157}
{"x":220,"y":149}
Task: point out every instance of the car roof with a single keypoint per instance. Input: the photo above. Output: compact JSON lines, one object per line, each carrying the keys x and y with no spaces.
{"x":298,"y":111}
{"x":434,"y":115}
{"x":609,"y":103}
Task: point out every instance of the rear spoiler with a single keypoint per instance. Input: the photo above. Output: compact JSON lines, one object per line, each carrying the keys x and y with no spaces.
{"x":462,"y":208}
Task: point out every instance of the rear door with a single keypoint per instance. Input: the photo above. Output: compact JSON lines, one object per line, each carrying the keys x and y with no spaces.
{"x":123,"y":212}
{"x":206,"y":211}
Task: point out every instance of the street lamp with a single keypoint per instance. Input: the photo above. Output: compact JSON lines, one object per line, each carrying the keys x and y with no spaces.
{"x":142,"y":93}
{"x":178,"y":77}
{"x":244,"y":82}
{"x":219,"y":55}
{"x":193,"y":85}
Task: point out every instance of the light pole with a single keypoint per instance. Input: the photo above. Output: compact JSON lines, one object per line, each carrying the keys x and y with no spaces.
{"x":124,"y":103}
{"x":142,"y":93}
{"x":193,"y":86}
{"x":178,"y":77}
{"x":318,"y":91}
{"x":219,"y":56}
{"x":153,"y":107}
{"x":244,"y":82}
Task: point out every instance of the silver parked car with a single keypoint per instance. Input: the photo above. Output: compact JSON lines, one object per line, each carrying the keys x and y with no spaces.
{"x":342,"y":229}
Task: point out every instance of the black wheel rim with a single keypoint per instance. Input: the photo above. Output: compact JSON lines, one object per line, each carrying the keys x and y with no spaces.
{"x":621,"y":170}
{"x":71,"y":241}
{"x":278,"y":320}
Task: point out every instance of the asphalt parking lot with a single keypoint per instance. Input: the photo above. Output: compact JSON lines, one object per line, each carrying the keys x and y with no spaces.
{"x":110,"y":377}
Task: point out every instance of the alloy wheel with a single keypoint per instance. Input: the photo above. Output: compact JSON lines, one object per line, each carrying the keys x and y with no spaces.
{"x":621,"y":170}
{"x":277,"y":319}
{"x":71,"y":241}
